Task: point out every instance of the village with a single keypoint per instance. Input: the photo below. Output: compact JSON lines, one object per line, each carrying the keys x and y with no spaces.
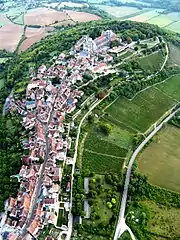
{"x":50,"y":95}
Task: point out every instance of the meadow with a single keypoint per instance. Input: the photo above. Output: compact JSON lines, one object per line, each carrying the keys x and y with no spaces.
{"x":163,"y":221}
{"x":160,"y":160}
{"x":140,"y":113}
{"x":152,"y":62}
{"x":174,"y":53}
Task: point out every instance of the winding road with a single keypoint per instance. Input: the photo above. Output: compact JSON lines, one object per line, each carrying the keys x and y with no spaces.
{"x":121,"y":226}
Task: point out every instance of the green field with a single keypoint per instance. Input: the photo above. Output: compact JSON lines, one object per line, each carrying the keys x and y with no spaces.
{"x":100,"y":163}
{"x":160,"y":160}
{"x":19,"y":19}
{"x":121,"y":12}
{"x":152,"y":62}
{"x":163,"y":221}
{"x":174,"y":27}
{"x":171,"y":87}
{"x":140,"y":113}
{"x":174,"y":53}
{"x":144,"y":17}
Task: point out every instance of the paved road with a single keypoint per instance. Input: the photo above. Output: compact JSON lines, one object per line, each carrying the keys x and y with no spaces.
{"x":119,"y":231}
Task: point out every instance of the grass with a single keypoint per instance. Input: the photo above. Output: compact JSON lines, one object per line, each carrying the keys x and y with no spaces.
{"x":161,"y":20}
{"x":160,"y":160}
{"x":171,"y":87}
{"x":152,"y":62}
{"x":100,"y":163}
{"x":142,"y":111}
{"x":163,"y":221}
{"x":174,"y":53}
{"x":175,"y":26}
{"x":143,"y":17}
{"x":120,"y":12}
{"x":19,"y":19}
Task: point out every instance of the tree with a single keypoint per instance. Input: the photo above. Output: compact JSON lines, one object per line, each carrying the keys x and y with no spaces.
{"x":109,"y":205}
{"x":113,"y":200}
{"x":136,"y":48}
{"x":129,"y":40}
{"x":105,"y":128}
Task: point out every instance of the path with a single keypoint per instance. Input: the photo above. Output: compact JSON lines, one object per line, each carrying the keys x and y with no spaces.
{"x":120,"y":228}
{"x":103,"y":154}
{"x":82,"y":149}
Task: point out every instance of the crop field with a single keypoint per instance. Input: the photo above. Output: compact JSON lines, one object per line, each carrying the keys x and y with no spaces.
{"x":4,"y":20}
{"x":163,"y":221}
{"x":174,"y":53}
{"x":171,"y":87}
{"x":33,"y":35}
{"x":44,"y":16}
{"x":144,"y":17}
{"x":120,"y":12}
{"x":10,"y":36}
{"x":160,"y":160}
{"x":140,"y":113}
{"x":100,"y":163}
{"x":98,"y":144}
{"x":152,"y":62}
{"x":19,"y":19}
{"x":82,"y":16}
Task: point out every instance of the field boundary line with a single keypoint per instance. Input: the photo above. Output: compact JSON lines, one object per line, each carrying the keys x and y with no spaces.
{"x":103,"y":154}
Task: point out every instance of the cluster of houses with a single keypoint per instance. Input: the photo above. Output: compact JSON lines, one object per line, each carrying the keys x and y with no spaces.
{"x":49,"y":96}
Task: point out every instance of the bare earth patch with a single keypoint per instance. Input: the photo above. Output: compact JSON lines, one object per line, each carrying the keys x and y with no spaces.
{"x":10,"y":36}
{"x":82,"y":16}
{"x":44,"y":16}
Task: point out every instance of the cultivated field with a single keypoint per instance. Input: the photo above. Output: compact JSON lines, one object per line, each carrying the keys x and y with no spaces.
{"x":4,"y":20}
{"x":10,"y":36}
{"x":160,"y":160}
{"x":33,"y":35}
{"x":44,"y":16}
{"x":152,"y":62}
{"x":170,"y":21}
{"x":120,"y":12}
{"x":100,"y":163}
{"x":174,"y":53}
{"x":82,"y":16}
{"x":140,"y":113}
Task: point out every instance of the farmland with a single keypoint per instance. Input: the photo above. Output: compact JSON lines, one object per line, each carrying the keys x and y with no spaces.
{"x":32,"y":35}
{"x":152,"y":62}
{"x":160,"y":160}
{"x":10,"y":36}
{"x":14,"y":18}
{"x":128,"y":117}
{"x":137,"y":115}
{"x":174,"y":53}
{"x":170,"y":21}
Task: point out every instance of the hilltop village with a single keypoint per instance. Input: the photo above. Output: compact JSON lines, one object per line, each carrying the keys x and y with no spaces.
{"x":50,"y":95}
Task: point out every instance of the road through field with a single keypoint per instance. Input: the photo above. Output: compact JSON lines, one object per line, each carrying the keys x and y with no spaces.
{"x":121,"y":226}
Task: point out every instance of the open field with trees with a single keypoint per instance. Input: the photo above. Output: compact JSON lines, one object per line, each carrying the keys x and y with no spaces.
{"x":160,"y":160}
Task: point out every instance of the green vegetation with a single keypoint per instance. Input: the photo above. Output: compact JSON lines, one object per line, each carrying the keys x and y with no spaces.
{"x":160,"y":160}
{"x":152,"y":62}
{"x":163,"y":221}
{"x":141,"y":112}
{"x":10,"y":154}
{"x":174,"y":53}
{"x":100,"y":163}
